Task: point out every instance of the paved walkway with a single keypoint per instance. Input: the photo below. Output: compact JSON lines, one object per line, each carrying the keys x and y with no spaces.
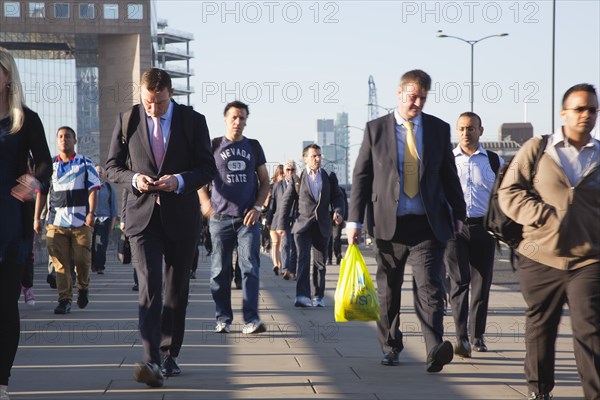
{"x":89,"y":353}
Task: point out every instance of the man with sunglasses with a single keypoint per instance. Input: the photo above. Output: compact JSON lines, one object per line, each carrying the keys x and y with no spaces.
{"x":288,"y":247}
{"x":559,"y":256}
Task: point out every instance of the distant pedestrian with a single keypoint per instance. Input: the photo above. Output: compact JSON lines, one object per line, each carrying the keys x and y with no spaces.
{"x":288,"y":246}
{"x":314,"y":194}
{"x":106,"y":215}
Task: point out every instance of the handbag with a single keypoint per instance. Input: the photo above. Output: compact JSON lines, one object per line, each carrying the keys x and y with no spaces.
{"x":124,"y":250}
{"x":355,"y":295}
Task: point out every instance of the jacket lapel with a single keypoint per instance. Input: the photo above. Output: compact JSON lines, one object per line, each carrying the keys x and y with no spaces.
{"x":176,"y":126}
{"x":144,"y":137}
{"x":390,"y":139}
{"x":426,"y":145}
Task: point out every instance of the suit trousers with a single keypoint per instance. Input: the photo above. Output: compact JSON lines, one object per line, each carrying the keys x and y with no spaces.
{"x":413,"y":243}
{"x":307,"y":241}
{"x":470,"y":260}
{"x":289,"y":257}
{"x":546,"y":290}
{"x":162,"y":324}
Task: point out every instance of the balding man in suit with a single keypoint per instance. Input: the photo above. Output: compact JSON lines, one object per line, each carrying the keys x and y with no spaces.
{"x":405,"y":177}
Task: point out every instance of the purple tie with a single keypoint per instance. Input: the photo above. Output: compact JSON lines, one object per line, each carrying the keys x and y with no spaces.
{"x":158,"y":143}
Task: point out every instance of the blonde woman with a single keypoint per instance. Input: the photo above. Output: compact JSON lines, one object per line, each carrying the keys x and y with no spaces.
{"x":21,"y":134}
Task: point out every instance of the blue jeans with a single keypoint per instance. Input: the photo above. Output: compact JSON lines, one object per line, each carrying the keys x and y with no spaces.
{"x":226,"y":231}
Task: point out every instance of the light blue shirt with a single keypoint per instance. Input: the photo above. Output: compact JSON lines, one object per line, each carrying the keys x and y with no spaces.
{"x":476,"y":179}
{"x":315,"y":182}
{"x":407,"y":205}
{"x":575,"y":162}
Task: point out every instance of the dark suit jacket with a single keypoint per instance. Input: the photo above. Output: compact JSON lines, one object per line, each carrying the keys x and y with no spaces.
{"x":376,"y":181}
{"x":187,"y":153}
{"x":276,"y":205}
{"x":311,"y":210}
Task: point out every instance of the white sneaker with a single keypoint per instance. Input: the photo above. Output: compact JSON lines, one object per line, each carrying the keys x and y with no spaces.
{"x":303,"y":301}
{"x":222,"y":327}
{"x":4,"y":395}
{"x":254,"y":327}
{"x":318,"y":302}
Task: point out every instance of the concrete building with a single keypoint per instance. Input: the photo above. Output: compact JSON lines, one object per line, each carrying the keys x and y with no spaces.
{"x":333,"y":137}
{"x":81,"y":62}
{"x":519,"y":132}
{"x":174,"y":56}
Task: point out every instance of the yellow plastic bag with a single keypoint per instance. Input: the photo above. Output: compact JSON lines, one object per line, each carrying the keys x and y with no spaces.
{"x":355,"y":296}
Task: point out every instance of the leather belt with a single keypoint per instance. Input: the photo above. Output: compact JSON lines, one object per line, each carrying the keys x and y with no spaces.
{"x":474,"y":220}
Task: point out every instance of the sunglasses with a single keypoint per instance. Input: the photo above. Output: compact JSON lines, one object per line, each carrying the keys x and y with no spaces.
{"x":581,"y":110}
{"x":290,"y":169}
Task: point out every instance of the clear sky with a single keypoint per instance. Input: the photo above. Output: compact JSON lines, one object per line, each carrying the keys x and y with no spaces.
{"x":297,"y":61}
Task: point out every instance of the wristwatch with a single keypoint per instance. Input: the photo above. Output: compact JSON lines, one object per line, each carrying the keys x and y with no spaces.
{"x":93,"y":213}
{"x":257,"y":208}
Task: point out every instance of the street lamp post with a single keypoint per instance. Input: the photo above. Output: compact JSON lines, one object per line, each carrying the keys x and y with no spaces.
{"x":472,"y":43}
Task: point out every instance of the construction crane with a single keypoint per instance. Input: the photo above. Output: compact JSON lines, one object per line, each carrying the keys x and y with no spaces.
{"x":373,"y":106}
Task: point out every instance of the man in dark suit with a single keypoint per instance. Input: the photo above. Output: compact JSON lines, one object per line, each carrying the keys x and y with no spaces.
{"x":160,"y":151}
{"x":405,"y":168}
{"x":288,"y":247}
{"x":312,"y":229}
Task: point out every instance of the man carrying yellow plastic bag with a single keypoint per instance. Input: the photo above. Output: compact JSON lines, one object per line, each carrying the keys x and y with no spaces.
{"x":355,"y":295}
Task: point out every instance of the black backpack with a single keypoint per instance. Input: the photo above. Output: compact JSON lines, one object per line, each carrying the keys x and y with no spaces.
{"x":498,"y":224}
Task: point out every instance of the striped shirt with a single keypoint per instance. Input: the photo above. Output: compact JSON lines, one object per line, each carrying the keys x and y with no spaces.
{"x":71,"y":183}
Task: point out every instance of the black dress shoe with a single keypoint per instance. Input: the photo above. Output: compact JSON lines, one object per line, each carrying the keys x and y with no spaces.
{"x":439,"y":356}
{"x":479,"y":345}
{"x":462,"y":348}
{"x":169,"y":367}
{"x":391,"y":358}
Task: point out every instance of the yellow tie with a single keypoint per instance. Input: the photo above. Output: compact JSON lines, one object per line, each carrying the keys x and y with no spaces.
{"x":411,"y":162}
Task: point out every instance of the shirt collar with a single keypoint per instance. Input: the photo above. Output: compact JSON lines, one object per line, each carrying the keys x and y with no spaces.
{"x":70,"y":158}
{"x":166,"y":116}
{"x":311,"y":173}
{"x":399,"y":120}
{"x":480,"y":150}
{"x":558,"y":139}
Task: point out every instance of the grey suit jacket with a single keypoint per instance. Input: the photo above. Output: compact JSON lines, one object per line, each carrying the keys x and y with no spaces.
{"x":187,"y":153}
{"x":311,"y":210}
{"x":276,"y":205}
{"x":376,"y":181}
